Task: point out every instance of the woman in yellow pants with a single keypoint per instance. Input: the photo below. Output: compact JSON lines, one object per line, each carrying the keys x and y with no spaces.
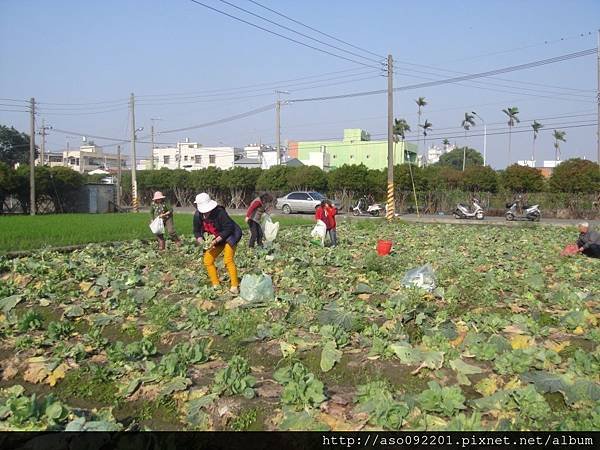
{"x":212,"y":219}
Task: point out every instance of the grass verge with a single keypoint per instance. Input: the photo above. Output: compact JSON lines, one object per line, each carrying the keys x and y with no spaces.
{"x":58,"y":230}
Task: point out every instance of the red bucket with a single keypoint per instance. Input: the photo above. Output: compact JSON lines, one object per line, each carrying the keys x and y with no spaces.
{"x":384,"y":247}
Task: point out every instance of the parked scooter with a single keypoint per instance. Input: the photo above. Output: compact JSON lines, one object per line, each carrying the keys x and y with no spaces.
{"x":363,"y":208}
{"x":528,"y":212}
{"x":463,"y":212}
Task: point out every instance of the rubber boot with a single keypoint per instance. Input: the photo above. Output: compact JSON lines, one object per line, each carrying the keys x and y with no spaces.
{"x":161,"y":244}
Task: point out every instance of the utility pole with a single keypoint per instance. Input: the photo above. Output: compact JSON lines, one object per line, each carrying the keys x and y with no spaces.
{"x":598,"y":101}
{"x":43,"y":146}
{"x":152,"y":119}
{"x":391,"y":207}
{"x":484,"y":136}
{"x":134,"y":197}
{"x":119,"y":176}
{"x":152,"y":145}
{"x":32,"y":158}
{"x":278,"y":128}
{"x":278,"y":124}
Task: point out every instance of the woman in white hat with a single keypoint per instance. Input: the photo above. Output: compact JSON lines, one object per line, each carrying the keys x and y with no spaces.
{"x":161,"y":208}
{"x":212,"y":219}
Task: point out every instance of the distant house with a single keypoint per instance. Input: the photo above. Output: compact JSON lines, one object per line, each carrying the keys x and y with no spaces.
{"x":193,"y":156}
{"x":294,"y":162}
{"x":90,"y":157}
{"x":546,"y":168}
{"x":249,"y":163}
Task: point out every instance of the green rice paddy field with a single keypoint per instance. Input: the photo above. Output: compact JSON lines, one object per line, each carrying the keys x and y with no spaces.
{"x":27,"y":233}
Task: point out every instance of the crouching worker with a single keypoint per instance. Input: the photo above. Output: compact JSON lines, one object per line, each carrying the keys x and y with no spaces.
{"x":589,"y":241}
{"x":212,"y":220}
{"x":161,"y":208}
{"x":259,"y":206}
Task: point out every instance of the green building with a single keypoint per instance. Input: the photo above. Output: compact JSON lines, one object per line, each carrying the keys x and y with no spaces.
{"x":356,"y":148}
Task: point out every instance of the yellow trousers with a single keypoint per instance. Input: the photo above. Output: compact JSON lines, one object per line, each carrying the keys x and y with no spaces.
{"x":209,"y":261}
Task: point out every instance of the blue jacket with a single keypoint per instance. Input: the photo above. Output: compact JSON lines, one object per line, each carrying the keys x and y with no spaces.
{"x":228,"y":230}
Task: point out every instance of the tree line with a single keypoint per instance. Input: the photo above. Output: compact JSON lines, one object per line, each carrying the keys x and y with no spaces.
{"x":235,"y":187}
{"x":459,"y":171}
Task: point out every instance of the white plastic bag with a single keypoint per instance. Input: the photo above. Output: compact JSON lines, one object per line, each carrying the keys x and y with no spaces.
{"x":422,"y":277}
{"x":319,"y":231}
{"x":270,"y":229}
{"x":157,"y":226}
{"x":257,"y":288}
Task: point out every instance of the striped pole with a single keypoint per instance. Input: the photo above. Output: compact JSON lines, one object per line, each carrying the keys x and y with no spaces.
{"x":390,"y":210}
{"x":134,"y":200}
{"x":391,"y":205}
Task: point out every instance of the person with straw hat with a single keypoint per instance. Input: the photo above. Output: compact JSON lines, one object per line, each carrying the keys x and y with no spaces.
{"x":161,"y":208}
{"x":212,"y":220}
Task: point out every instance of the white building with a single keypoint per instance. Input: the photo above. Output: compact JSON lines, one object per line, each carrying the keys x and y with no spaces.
{"x":266,"y":154}
{"x":526,"y":163}
{"x":545,"y":164}
{"x":320,"y":159}
{"x":255,"y":150}
{"x":193,"y":156}
{"x":51,"y":159}
{"x":144,"y":164}
{"x":268,"y":159}
{"x":434,"y":153}
{"x":90,"y":157}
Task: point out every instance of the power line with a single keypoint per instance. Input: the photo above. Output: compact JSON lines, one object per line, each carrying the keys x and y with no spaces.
{"x":460,"y":129}
{"x":314,"y":29}
{"x":15,"y":100}
{"x":77,"y":133}
{"x":457,"y":79}
{"x":268,"y":94}
{"x":104,"y":102}
{"x":432,"y":137}
{"x":587,"y":95}
{"x":13,"y":110}
{"x":52,"y":113}
{"x":270,"y":83}
{"x":267,"y":91}
{"x":497,"y":78}
{"x":224,"y":120}
{"x":589,"y":33}
{"x":504,"y":69}
{"x":11,"y":105}
{"x":301,"y":34}
{"x":281,"y":35}
{"x":474,"y":84}
{"x":567,"y":116}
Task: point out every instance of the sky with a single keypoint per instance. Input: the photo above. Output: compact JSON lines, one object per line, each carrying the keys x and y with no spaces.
{"x":189,"y":65}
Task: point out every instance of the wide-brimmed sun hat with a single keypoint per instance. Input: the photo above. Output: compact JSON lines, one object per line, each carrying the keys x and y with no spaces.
{"x":158,"y":196}
{"x":204,"y":203}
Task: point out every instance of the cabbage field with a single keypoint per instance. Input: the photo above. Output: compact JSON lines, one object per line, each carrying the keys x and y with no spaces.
{"x":121,"y":337}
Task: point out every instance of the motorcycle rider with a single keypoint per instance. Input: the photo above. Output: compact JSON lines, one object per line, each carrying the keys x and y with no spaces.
{"x":589,"y":241}
{"x":363,"y":204}
{"x":520,"y":203}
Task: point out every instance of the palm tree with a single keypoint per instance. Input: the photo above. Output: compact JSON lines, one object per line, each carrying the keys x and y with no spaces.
{"x":401,"y":126}
{"x":421,"y":103}
{"x":426,"y":127}
{"x":558,"y":136}
{"x":467,"y":123}
{"x":511,"y":112}
{"x":536,"y":129}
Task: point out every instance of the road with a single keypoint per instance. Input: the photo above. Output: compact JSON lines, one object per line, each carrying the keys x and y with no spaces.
{"x":436,"y":219}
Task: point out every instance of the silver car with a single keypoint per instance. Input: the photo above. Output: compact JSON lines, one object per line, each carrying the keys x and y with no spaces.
{"x":299,"y":201}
